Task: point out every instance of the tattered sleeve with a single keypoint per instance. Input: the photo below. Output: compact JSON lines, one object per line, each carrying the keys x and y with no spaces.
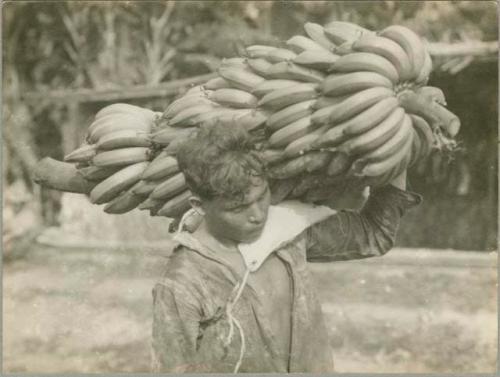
{"x":176,"y":318}
{"x":361,"y":234}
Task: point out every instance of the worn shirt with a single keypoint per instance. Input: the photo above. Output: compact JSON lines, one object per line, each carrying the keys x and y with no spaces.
{"x":191,"y":328}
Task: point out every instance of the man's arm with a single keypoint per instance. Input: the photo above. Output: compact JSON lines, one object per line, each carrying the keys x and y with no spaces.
{"x":369,"y":232}
{"x":176,"y":318}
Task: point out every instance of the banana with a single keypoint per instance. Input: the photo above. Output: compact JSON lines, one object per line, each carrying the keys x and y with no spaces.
{"x":281,"y":98}
{"x":433,"y":93}
{"x":152,"y":204}
{"x":344,"y":49}
{"x":370,"y":117}
{"x":259,"y":66}
{"x":311,"y":161}
{"x":391,"y":146}
{"x":83,"y":153}
{"x":176,"y":206}
{"x":380,"y":167}
{"x":303,"y":144}
{"x":410,"y":42}
{"x":233,"y":62}
{"x":187,"y":117}
{"x":146,"y":187}
{"x":346,"y":83}
{"x":98,"y":122}
{"x":366,"y":61}
{"x":389,"y":175}
{"x":417,"y":149}
{"x":230,"y":117}
{"x":375,"y":137}
{"x":389,"y":49}
{"x":122,"y":139}
{"x":291,"y":132}
{"x":326,"y":101}
{"x":351,"y":106}
{"x":217,"y":83}
{"x":339,"y":164}
{"x":97,"y":173}
{"x":331,"y":138}
{"x":212,"y":116}
{"x":168,"y":134}
{"x":343,"y":31}
{"x":269,"y":86}
{"x":280,"y":55}
{"x":116,"y":183}
{"x":162,"y":166}
{"x":316,"y":59}
{"x":258,"y":51}
{"x":169,"y":187}
{"x":321,"y":115}
{"x":187,"y":101}
{"x":234,"y":98}
{"x":271,"y":156}
{"x":317,"y":160}
{"x":401,"y":166}
{"x":317,"y":34}
{"x":291,"y":71}
{"x":240,"y":78}
{"x":299,"y":44}
{"x":119,"y":123}
{"x":425,"y":134}
{"x":122,"y":156}
{"x":425,"y":71}
{"x":439,"y":117}
{"x":125,"y":108}
{"x":123,"y":203}
{"x":253,"y":119}
{"x":358,"y":102}
{"x":289,"y":114}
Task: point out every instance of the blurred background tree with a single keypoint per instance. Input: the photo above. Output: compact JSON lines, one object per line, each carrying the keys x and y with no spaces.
{"x":106,"y":46}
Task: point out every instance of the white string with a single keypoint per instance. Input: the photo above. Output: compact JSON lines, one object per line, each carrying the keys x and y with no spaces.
{"x":242,"y":348}
{"x":233,"y":321}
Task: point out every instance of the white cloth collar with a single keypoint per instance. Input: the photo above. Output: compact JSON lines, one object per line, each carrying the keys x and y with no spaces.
{"x":285,"y":221}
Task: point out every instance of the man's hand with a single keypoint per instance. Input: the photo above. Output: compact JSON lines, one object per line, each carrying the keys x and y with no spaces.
{"x":400,"y":181}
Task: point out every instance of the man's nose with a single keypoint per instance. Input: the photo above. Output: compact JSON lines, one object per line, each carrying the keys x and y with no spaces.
{"x":256,"y":215}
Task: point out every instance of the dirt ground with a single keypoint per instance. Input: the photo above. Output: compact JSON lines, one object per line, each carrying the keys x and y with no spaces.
{"x":89,"y":311}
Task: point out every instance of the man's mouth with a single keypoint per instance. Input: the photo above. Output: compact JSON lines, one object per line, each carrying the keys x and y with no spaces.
{"x":256,"y":232}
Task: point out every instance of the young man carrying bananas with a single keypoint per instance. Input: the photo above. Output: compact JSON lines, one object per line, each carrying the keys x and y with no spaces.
{"x":236,"y":295}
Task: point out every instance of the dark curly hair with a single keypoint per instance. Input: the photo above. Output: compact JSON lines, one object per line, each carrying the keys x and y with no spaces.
{"x":220,"y":161}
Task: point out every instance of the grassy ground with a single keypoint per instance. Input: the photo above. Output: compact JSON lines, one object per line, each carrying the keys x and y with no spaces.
{"x":81,"y":310}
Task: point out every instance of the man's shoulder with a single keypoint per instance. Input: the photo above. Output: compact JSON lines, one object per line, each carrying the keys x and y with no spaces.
{"x":183,"y":264}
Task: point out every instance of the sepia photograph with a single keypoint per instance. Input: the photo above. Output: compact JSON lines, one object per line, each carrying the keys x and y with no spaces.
{"x":249,"y":187}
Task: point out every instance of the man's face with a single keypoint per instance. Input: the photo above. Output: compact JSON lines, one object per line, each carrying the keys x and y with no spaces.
{"x":239,"y":220}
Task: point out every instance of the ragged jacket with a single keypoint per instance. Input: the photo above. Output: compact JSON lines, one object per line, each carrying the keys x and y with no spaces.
{"x":190,"y":326}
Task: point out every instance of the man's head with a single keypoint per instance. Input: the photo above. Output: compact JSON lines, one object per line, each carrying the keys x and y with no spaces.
{"x":228,"y":181}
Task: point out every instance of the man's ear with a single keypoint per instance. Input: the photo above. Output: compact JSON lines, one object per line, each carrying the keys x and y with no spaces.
{"x":196,"y":204}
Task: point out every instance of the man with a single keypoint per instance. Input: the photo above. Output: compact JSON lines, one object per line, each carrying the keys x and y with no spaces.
{"x":236,"y":295}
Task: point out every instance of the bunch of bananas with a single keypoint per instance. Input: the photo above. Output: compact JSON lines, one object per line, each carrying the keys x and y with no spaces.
{"x":115,"y":153}
{"x":341,"y":104}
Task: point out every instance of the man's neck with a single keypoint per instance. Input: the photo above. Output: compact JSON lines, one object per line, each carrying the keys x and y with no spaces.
{"x":215,"y":243}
